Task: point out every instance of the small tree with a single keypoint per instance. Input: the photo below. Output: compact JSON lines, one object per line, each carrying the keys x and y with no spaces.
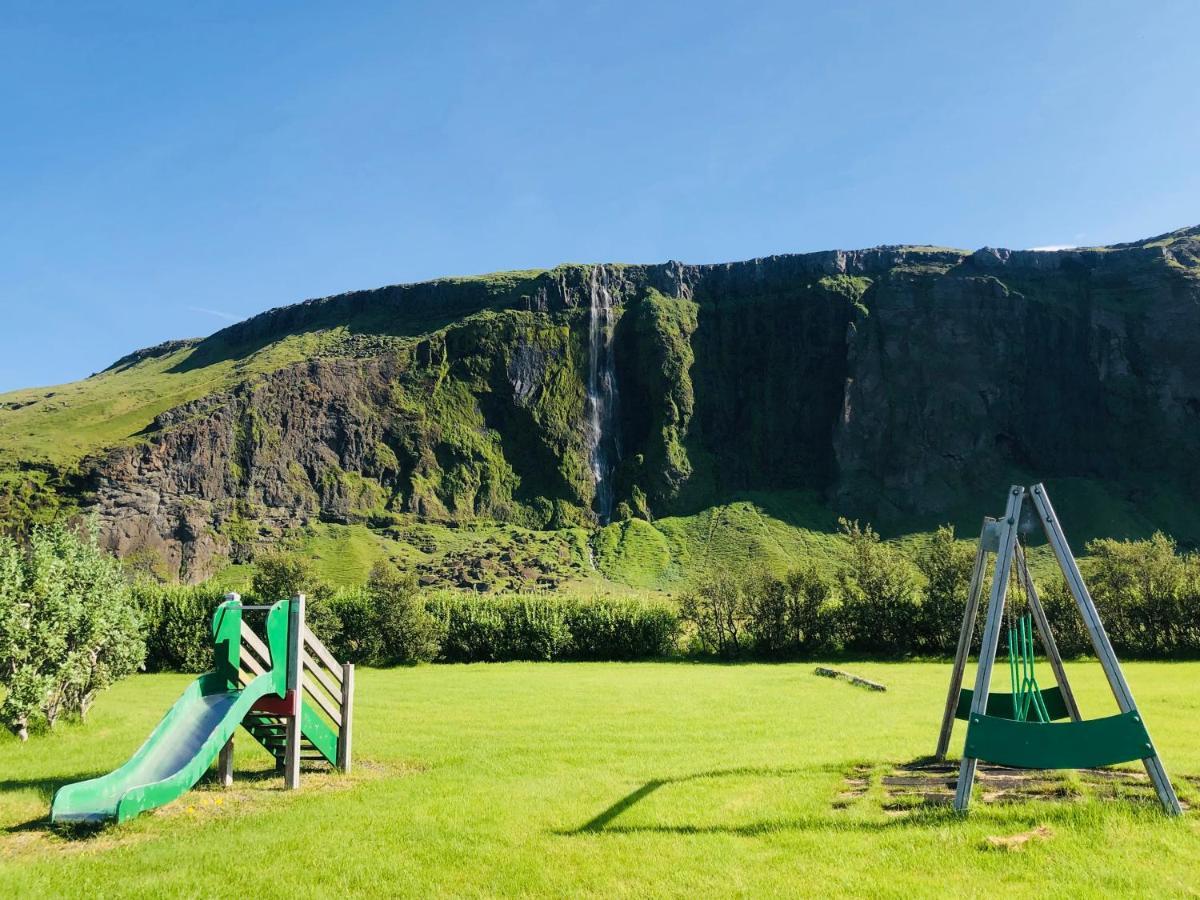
{"x":946,"y":564}
{"x":68,"y":626}
{"x":789,"y":616}
{"x":878,"y":607}
{"x":407,"y":633}
{"x":280,"y":576}
{"x":717,"y":610}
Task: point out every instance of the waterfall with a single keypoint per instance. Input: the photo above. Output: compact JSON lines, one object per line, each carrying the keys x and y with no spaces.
{"x":601,"y":403}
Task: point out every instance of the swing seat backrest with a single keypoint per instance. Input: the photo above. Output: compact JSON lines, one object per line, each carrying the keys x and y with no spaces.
{"x":1001,"y":705}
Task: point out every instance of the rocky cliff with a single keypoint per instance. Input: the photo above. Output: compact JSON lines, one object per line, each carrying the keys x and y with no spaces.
{"x":895,"y":382}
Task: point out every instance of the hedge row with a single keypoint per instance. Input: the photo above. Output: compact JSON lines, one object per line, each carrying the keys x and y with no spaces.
{"x":446,"y":627}
{"x":879,"y":602}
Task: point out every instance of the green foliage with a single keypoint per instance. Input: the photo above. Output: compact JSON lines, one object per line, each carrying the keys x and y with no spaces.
{"x":546,"y":627}
{"x":878,"y":593}
{"x":497,"y":629}
{"x":278,"y":576}
{"x":946,"y":564}
{"x":717,"y":610}
{"x":177,"y":624}
{"x":386,"y":622}
{"x":1147,"y":594}
{"x":792,"y":616}
{"x":662,"y":329}
{"x":68,"y":626}
{"x":605,"y":628}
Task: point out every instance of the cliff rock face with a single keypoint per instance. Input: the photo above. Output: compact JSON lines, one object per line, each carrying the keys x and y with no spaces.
{"x":893,"y":381}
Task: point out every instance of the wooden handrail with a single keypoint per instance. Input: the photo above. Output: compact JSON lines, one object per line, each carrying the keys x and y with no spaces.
{"x":322,"y":701}
{"x":334,"y":689}
{"x":252,"y":640}
{"x":252,"y":664}
{"x":324,"y":655}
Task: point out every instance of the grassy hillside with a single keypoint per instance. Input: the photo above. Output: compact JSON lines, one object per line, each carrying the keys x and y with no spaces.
{"x":614,"y":780}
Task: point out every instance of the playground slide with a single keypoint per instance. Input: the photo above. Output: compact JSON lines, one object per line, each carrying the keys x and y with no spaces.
{"x":174,"y":757}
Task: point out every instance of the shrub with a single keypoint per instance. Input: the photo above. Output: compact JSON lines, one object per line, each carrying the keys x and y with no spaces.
{"x":398,"y":627}
{"x":604,"y":628}
{"x":279,"y":576}
{"x":177,"y":624}
{"x":718,"y":612}
{"x":878,"y":610}
{"x":1147,"y":595}
{"x":497,"y":629}
{"x":68,"y":625}
{"x":946,"y":564}
{"x":473,"y":628}
{"x":792,"y":616}
{"x":1065,"y":622}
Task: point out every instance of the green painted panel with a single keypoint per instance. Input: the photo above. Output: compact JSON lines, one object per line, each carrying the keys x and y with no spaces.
{"x":1001,"y":705}
{"x":1058,"y":745}
{"x":317,"y":730}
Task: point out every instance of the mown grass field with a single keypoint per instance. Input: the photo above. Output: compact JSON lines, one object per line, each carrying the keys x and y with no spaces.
{"x":603,"y":780}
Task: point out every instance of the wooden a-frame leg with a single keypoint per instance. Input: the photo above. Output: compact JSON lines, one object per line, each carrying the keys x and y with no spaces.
{"x":1100,"y":642}
{"x":974,"y":592}
{"x":991,"y":639}
{"x":1047,"y":636}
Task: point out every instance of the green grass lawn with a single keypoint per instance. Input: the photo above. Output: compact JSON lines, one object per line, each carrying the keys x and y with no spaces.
{"x":603,"y":780}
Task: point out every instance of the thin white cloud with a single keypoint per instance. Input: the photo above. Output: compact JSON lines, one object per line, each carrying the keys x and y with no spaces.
{"x":1055,"y":247}
{"x":215,"y":312}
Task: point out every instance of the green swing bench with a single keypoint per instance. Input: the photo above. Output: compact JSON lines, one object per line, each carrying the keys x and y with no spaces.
{"x":1031,"y":727}
{"x":1026,"y":728}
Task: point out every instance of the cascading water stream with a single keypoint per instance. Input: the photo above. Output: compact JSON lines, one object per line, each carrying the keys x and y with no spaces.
{"x":601,"y":404}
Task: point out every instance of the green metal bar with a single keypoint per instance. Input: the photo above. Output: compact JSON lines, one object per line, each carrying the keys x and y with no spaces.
{"x":1013,"y":676}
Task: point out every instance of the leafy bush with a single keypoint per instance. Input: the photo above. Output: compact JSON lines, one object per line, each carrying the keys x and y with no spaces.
{"x":496,"y":629}
{"x":280,"y":576}
{"x":385,"y":622}
{"x":946,"y":564}
{"x":879,"y":607}
{"x":603,"y":628}
{"x":177,"y":623}
{"x":718,"y":611}
{"x":473,"y":628}
{"x":1148,"y":596}
{"x":792,"y":616}
{"x":68,"y":626}
{"x":546,"y":627}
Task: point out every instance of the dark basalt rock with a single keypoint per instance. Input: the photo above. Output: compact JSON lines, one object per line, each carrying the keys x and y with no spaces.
{"x":893,"y":381}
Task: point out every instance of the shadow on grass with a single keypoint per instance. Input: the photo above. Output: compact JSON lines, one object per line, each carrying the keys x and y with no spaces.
{"x":600,"y":824}
{"x":918,"y":815}
{"x":44,"y":786}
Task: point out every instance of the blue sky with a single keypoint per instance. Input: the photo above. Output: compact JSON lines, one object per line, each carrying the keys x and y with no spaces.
{"x":166,"y":168}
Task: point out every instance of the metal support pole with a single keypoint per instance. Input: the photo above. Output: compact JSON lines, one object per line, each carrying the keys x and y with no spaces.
{"x":1100,"y":642}
{"x":991,"y":638}
{"x":974,"y":593}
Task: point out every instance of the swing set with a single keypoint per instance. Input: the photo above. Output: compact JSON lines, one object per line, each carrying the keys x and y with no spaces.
{"x":1034,"y":727}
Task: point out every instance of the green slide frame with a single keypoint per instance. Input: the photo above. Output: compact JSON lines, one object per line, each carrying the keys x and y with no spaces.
{"x":192,"y":733}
